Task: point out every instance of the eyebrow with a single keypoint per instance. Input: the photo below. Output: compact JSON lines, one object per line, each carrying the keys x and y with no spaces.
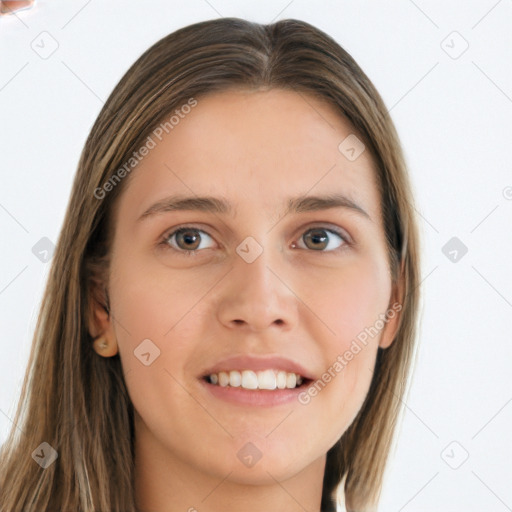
{"x":219,"y":205}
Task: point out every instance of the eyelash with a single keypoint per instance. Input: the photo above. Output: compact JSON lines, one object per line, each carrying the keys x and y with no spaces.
{"x":164,"y":242}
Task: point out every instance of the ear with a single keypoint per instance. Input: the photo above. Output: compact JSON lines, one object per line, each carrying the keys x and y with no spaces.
{"x":98,"y":315}
{"x":393,"y":313}
{"x":100,"y":322}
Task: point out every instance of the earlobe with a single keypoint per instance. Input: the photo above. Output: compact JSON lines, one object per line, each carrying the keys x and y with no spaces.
{"x":104,"y":346}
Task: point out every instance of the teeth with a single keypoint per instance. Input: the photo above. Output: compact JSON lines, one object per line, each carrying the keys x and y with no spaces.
{"x":249,"y":379}
{"x":291,"y":380}
{"x":266,"y":379}
{"x":235,"y":379}
{"x":281,"y":380}
{"x":223,"y":379}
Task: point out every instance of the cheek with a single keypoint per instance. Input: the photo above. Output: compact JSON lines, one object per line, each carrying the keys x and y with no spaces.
{"x":351,"y":300}
{"x":149,"y":304}
{"x":153,"y":301}
{"x":159,"y":306}
{"x":349,"y":304}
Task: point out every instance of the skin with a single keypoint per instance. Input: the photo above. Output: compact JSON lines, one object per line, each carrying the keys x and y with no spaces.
{"x":304,"y":302}
{"x":11,"y":6}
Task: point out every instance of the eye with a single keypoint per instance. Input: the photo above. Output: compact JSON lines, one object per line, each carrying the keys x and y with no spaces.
{"x":317,"y":239}
{"x":186,"y":240}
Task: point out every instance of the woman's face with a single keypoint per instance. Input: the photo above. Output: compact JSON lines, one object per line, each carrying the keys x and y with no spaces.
{"x":264,"y":282}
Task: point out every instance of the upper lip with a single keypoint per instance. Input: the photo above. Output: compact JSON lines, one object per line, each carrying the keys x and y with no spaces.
{"x":256,"y":363}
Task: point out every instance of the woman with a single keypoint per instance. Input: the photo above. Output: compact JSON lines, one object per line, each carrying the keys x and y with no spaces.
{"x":260,"y":371}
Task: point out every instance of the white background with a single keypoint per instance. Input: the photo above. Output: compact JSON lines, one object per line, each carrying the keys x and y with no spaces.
{"x":454,"y":117}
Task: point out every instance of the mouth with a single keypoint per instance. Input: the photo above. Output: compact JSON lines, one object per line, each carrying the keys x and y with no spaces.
{"x":268,"y":380}
{"x":250,"y":380}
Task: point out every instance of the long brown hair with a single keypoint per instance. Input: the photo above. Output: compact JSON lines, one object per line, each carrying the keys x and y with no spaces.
{"x":76,"y":401}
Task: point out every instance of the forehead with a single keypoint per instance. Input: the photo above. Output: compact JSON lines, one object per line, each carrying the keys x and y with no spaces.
{"x":254,"y":148}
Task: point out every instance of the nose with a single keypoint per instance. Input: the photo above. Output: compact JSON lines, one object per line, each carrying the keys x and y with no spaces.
{"x":257,"y":296}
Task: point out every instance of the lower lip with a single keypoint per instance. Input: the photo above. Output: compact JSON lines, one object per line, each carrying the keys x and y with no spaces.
{"x":258,"y":397}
